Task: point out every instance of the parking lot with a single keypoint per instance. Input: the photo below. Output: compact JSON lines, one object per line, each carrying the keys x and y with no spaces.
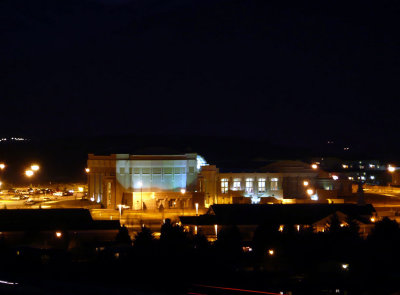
{"x":35,"y":199}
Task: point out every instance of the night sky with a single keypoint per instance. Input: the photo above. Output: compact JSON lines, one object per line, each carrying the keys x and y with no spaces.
{"x":292,"y":72}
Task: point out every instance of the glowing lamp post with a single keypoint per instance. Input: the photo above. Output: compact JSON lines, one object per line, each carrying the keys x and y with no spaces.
{"x":35,"y":167}
{"x":2,"y":166}
{"x":120,"y":211}
{"x":314,"y":166}
{"x":197,"y":208}
{"x":391,"y":169}
{"x":140,"y":184}
{"x":183,"y":191}
{"x":29,"y":173}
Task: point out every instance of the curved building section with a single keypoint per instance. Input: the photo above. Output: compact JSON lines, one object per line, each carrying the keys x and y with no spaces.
{"x":143,"y":181}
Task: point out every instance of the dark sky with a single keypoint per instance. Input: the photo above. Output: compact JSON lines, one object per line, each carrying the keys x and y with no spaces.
{"x":285,"y":71}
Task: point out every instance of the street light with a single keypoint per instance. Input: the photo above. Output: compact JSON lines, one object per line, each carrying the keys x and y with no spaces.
{"x":35,"y":167}
{"x":314,"y":166}
{"x":183,"y":191}
{"x":140,"y":184}
{"x":2,"y":166}
{"x":87,"y":170}
{"x":29,"y":173}
{"x":120,"y":211}
{"x":305,"y":183}
{"x":197,"y":208}
{"x":310,"y":192}
{"x":391,"y":168}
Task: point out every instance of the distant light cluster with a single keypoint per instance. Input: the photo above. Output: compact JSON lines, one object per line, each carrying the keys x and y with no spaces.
{"x":13,"y":139}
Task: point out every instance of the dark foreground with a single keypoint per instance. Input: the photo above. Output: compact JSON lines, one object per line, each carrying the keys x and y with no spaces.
{"x":337,"y":261}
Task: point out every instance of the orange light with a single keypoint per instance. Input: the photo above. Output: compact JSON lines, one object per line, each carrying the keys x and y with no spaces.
{"x":58,"y":234}
{"x":314,"y":166}
{"x":35,"y":167}
{"x":271,"y":252}
{"x":28,"y":173}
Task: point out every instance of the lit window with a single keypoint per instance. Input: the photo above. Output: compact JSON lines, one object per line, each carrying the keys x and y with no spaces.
{"x":146,"y":170}
{"x":274,"y":184}
{"x":249,"y":185}
{"x":136,"y":170}
{"x":156,"y":170}
{"x":236,"y":184}
{"x":261,"y":185}
{"x":191,"y":169}
{"x":168,"y":170}
{"x":224,"y":185}
{"x":122,"y":170}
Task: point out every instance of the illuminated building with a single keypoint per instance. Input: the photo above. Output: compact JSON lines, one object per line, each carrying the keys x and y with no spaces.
{"x":143,"y":181}
{"x":275,"y":182}
{"x":152,"y":182}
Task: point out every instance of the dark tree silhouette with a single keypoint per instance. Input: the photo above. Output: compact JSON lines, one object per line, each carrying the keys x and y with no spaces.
{"x":123,"y":236}
{"x":144,"y":239}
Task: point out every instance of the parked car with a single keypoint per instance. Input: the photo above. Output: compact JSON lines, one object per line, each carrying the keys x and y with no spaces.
{"x":30,"y":202}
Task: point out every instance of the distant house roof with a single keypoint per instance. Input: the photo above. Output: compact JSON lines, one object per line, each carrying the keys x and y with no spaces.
{"x":52,"y":219}
{"x":250,"y":214}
